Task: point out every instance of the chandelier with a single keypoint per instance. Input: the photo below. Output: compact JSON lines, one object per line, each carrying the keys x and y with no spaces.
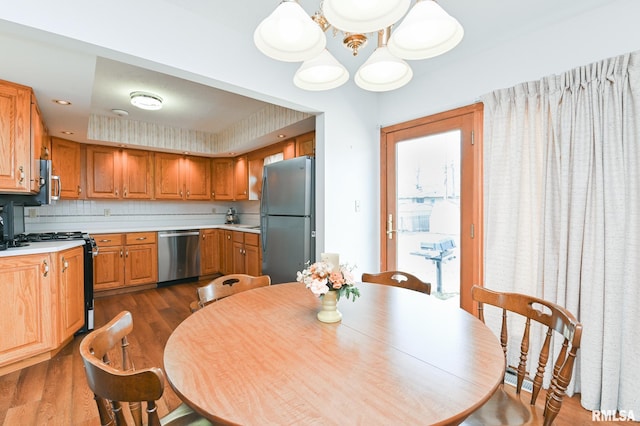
{"x":289,"y":34}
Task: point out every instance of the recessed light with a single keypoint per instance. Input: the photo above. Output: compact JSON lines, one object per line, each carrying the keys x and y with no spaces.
{"x":61,"y":102}
{"x":146,"y":100}
{"x":66,"y":132}
{"x":282,"y":136}
{"x":120,"y":112}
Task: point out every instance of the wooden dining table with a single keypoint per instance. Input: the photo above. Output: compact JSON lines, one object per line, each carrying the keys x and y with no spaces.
{"x":261,"y":357}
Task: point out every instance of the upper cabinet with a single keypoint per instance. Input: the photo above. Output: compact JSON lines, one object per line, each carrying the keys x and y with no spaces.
{"x":241,"y":178}
{"x":306,"y":144}
{"x":223,"y":177}
{"x":66,"y":164}
{"x":180,"y":177}
{"x":16,"y":160}
{"x":119,"y":174}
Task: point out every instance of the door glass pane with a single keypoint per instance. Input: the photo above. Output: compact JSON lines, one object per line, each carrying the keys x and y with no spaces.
{"x":428,"y":210}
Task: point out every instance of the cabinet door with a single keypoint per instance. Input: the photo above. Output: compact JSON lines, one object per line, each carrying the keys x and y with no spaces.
{"x":241,"y":178}
{"x":65,"y":163}
{"x":239,"y":259}
{"x":198,"y":178}
{"x":70,"y":292}
{"x":141,"y":264}
{"x":210,"y":251}
{"x":227,"y":261}
{"x":38,"y":139}
{"x":253,"y":261}
{"x":25,"y":306}
{"x":103,"y":172}
{"x":15,"y":138}
{"x":306,"y":144}
{"x":108,"y":268}
{"x":168,"y":177}
{"x":137,"y":168}
{"x":222,"y":178}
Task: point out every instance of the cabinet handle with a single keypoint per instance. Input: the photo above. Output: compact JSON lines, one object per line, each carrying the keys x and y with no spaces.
{"x":79,"y":190}
{"x":121,"y":253}
{"x":21,"y":174}
{"x":116,"y":192}
{"x":126,"y":254}
{"x":45,"y":268}
{"x":141,"y":238}
{"x":65,"y":264}
{"x":181,"y":192}
{"x":124,"y":192}
{"x":188,"y":193}
{"x":105,"y":241}
{"x":204,"y":236}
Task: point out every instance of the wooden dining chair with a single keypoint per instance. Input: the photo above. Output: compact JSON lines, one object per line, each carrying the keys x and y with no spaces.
{"x":227,"y":285}
{"x":398,"y":279}
{"x":508,"y":406}
{"x":114,"y":380}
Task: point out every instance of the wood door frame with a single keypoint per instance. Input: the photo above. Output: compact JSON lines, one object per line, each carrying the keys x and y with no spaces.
{"x":471,"y":214}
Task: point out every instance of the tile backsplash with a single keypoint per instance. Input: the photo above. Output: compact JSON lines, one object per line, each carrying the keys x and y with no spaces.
{"x":112,"y":216}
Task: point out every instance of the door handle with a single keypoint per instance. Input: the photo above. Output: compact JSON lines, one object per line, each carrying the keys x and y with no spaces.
{"x":390,"y":229}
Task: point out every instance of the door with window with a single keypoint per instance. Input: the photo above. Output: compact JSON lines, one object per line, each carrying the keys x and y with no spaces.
{"x":431,"y":196}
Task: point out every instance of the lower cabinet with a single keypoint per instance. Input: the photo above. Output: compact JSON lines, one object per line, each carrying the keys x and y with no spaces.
{"x":246,"y":253}
{"x":70,"y":272}
{"x":124,"y":260}
{"x":41,"y":307}
{"x":210,"y":251}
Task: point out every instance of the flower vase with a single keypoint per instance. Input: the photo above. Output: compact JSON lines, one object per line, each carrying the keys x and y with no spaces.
{"x":329,"y":312}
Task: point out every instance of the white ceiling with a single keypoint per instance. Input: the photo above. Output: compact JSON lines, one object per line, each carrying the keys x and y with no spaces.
{"x":97,"y":85}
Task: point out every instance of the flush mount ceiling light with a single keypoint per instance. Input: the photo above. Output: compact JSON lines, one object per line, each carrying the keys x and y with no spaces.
{"x":426,"y":31}
{"x":145,"y":100}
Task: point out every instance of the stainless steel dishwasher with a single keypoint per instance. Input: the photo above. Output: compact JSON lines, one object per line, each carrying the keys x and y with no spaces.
{"x":178,"y":255}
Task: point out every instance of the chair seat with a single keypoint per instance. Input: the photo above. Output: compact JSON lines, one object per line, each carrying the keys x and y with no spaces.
{"x":183,"y":416}
{"x":506,"y":407}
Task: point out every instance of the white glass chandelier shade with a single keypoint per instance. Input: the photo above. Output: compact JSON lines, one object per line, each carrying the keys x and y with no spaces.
{"x":289,"y":34}
{"x":145,"y":100}
{"x":364,"y":16}
{"x":383,"y":72}
{"x":323,"y":72}
{"x":427,"y":31}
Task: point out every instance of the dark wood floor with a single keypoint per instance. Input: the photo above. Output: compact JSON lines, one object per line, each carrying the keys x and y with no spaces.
{"x":56,"y":393}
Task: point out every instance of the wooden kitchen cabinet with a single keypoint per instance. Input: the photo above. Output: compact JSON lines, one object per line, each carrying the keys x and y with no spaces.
{"x":16,"y":161}
{"x":227,"y":252}
{"x":26,"y":308}
{"x":180,"y":177}
{"x":66,"y":163}
{"x":241,"y":178}
{"x":114,"y":173}
{"x":246,"y":253}
{"x":306,"y":144}
{"x":222,"y":177}
{"x":141,"y":258}
{"x":210,"y":251}
{"x":125,"y":260}
{"x":70,"y":274}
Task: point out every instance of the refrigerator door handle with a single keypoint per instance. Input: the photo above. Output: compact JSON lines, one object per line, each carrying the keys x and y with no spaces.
{"x":263,"y":233}
{"x":264,"y":196}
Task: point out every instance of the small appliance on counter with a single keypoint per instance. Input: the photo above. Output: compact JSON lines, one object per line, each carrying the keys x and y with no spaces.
{"x":232,"y":216}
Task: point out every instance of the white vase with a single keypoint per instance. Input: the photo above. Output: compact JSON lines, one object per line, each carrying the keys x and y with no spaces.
{"x":329,"y":312}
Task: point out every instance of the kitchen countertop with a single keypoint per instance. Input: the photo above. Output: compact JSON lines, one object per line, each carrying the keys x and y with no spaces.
{"x":42,"y":247}
{"x":60,"y":245}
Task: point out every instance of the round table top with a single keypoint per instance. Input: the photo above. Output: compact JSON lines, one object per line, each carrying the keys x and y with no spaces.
{"x":397,"y":357}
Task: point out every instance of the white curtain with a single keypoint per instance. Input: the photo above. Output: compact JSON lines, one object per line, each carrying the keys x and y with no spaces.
{"x":562,"y":213}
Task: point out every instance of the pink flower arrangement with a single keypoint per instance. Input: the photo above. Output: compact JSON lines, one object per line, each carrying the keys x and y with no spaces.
{"x":321,"y":277}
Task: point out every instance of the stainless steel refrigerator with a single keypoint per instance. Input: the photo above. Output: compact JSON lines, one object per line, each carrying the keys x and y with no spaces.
{"x":287,"y":224}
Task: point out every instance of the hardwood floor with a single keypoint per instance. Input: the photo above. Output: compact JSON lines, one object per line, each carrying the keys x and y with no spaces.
{"x":55,"y":392}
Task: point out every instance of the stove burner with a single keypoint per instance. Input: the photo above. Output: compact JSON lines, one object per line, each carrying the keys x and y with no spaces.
{"x":48,"y":236}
